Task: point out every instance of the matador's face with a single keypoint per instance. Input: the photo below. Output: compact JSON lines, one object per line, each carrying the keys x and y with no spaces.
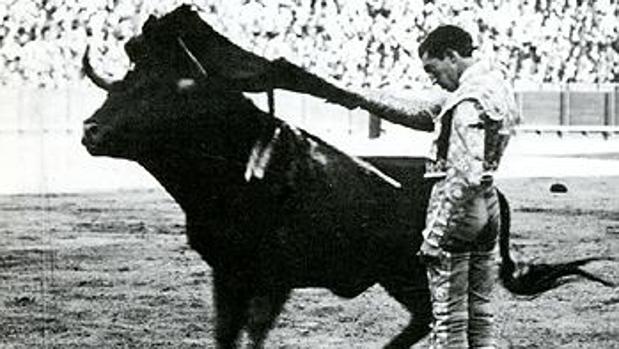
{"x":443,"y":71}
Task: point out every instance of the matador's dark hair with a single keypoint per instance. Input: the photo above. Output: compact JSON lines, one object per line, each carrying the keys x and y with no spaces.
{"x":447,"y":37}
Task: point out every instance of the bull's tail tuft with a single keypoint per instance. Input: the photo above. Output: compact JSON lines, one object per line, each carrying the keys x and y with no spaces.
{"x":533,"y":279}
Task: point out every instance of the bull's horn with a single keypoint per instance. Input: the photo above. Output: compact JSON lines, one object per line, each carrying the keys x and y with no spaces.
{"x":96,"y":79}
{"x":193,"y":58}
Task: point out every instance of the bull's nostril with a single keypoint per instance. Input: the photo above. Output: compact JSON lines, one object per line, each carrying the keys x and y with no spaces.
{"x":90,"y":130}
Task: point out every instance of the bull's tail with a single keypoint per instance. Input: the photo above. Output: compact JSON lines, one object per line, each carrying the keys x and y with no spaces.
{"x":532,"y":279}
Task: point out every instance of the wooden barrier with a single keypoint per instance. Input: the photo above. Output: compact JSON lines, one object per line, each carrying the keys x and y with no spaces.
{"x":571,"y":104}
{"x":604,"y":131}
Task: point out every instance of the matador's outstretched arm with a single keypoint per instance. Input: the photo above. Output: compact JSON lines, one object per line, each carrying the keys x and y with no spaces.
{"x":413,"y":112}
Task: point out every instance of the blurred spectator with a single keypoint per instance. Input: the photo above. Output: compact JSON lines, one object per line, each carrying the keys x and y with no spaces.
{"x":357,"y":42}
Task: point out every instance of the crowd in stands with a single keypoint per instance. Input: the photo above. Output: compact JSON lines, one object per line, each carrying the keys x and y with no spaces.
{"x":371,"y":42}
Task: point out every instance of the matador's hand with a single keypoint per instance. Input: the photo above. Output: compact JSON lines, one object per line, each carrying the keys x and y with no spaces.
{"x":429,"y":254}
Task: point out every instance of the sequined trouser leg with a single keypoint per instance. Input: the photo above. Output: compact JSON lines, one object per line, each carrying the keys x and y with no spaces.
{"x":461,"y":282}
{"x":461,"y":285}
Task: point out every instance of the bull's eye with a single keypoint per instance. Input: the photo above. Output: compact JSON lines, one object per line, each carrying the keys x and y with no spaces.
{"x":185,"y":84}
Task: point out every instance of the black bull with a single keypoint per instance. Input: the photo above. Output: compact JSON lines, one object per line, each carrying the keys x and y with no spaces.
{"x":269,"y":207}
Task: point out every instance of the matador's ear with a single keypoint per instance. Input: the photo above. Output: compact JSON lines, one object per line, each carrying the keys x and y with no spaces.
{"x":452,"y":54}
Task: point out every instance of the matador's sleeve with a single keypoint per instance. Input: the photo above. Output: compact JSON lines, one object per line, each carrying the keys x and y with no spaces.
{"x":415,"y":112}
{"x":465,"y":153}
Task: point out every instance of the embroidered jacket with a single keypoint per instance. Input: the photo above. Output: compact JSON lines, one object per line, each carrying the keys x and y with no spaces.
{"x":491,"y":114}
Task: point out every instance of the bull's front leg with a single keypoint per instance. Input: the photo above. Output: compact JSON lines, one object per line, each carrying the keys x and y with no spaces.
{"x":263,"y":310}
{"x":231,"y":304}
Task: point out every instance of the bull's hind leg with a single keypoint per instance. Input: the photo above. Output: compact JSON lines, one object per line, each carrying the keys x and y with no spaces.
{"x":231,"y":303}
{"x":413,"y":293}
{"x":263,"y":310}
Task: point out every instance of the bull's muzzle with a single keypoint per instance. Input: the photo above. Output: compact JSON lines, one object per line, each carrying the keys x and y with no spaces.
{"x":91,"y":137}
{"x":90,"y":130}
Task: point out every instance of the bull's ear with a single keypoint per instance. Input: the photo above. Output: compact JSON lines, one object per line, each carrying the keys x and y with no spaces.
{"x":136,"y":49}
{"x":184,"y":85}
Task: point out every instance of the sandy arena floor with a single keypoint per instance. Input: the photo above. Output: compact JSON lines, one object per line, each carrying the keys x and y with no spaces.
{"x":113,"y":270}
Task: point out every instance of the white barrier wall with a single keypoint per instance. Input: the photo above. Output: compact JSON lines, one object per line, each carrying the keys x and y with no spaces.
{"x":40,"y":149}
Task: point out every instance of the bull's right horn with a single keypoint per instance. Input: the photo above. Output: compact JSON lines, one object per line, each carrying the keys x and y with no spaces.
{"x":94,"y":77}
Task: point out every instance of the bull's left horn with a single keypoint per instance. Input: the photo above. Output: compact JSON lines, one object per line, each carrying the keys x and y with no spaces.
{"x":96,"y":79}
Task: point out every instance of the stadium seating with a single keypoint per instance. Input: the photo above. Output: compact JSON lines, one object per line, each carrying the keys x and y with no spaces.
{"x":537,"y":41}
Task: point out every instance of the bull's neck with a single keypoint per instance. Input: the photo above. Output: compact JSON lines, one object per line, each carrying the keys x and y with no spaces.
{"x":196,"y":176}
